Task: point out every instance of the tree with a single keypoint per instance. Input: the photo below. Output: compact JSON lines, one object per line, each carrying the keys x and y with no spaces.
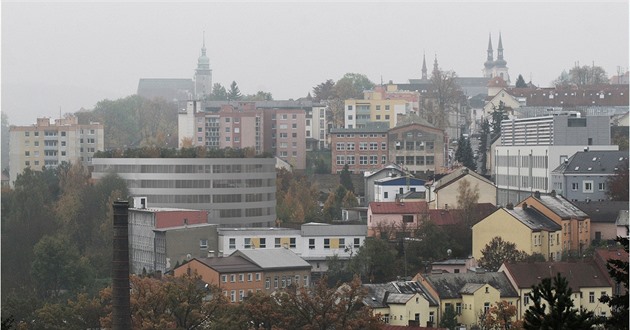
{"x":464,"y":153}
{"x":352,"y":85}
{"x":618,"y":270}
{"x":582,"y":75}
{"x":498,"y":115}
{"x":57,"y":265}
{"x":335,"y":112}
{"x":520,"y":82}
{"x":500,"y":316}
{"x":259,"y":96}
{"x":324,"y":91}
{"x":337,"y":200}
{"x":373,"y":261}
{"x":345,"y":179}
{"x":553,"y":308}
{"x":321,"y":307}
{"x":297,"y":198}
{"x":449,"y":318}
{"x":219,"y":93}
{"x":234,"y":93}
{"x":483,"y":145}
{"x":621,"y":140}
{"x":498,"y":251}
{"x":618,"y":184}
{"x":445,"y":98}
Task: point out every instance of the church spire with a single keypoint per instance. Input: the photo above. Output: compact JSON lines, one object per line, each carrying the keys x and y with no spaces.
{"x":490,"y":56}
{"x":500,"y":48}
{"x":424,"y":67}
{"x":435,"y":64}
{"x":203,"y":47}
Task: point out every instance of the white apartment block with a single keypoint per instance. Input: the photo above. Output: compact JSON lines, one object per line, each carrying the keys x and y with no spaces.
{"x":316,"y":128}
{"x":49,"y":144}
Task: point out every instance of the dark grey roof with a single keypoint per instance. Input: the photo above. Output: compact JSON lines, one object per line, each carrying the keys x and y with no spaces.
{"x":470,"y":288}
{"x":448,"y":286}
{"x":257,"y":231}
{"x":325,"y":229}
{"x":230,"y":264}
{"x":450,"y":262}
{"x":533,"y":219}
{"x":562,"y":207}
{"x":593,"y":162}
{"x":413,"y":195}
{"x":273,"y":258}
{"x":604,"y":211}
{"x":382,"y":294}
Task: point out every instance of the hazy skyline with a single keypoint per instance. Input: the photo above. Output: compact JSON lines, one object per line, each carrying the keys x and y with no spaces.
{"x":59,"y":57}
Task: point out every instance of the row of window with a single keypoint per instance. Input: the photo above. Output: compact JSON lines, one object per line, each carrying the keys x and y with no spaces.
{"x":363,"y":160}
{"x":415,"y":145}
{"x":285,"y":281}
{"x":587,"y":186}
{"x":367,"y":107}
{"x":362,"y":135}
{"x":362,"y":146}
{"x":229,"y":168}
{"x":415,"y":160}
{"x":337,"y":243}
{"x":261,"y":242}
{"x":284,"y":116}
{"x":241,"y":277}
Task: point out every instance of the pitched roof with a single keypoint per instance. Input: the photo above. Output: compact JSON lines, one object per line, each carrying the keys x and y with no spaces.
{"x":390,"y":167}
{"x":399,"y":181}
{"x":601,"y":257}
{"x":449,"y":285}
{"x":579,"y":274}
{"x":398,"y":207}
{"x":273,"y":258}
{"x":470,"y":288}
{"x":456,"y":175}
{"x":445,"y":217}
{"x":400,"y":290}
{"x":561,"y":207}
{"x":603,"y":211}
{"x":593,"y":162}
{"x":533,"y":219}
{"x":229,"y":264}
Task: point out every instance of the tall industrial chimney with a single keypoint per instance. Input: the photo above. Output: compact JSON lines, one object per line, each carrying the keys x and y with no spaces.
{"x":121,"y":309}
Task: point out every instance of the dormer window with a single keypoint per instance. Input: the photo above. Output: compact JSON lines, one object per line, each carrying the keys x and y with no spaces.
{"x":577,"y":168}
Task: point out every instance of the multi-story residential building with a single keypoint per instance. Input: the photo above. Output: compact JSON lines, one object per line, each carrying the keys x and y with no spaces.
{"x":532,"y":147}
{"x":605,"y":218}
{"x":530,"y":230}
{"x":282,"y":268}
{"x":321,"y":241}
{"x":418,"y":146}
{"x":161,"y":237}
{"x":392,"y":220}
{"x":237,"y":192}
{"x":468,"y":294}
{"x":49,"y":144}
{"x":583,"y":176}
{"x":443,"y":193}
{"x":587,"y":281}
{"x":316,"y":127}
{"x":391,"y":189}
{"x":235,"y":276}
{"x":362,"y":149}
{"x":277,"y":127}
{"x":576,"y":225}
{"x":380,"y":105}
{"x":402,"y":303}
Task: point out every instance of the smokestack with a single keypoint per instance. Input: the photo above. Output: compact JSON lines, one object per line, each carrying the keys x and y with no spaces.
{"x":121,"y":309}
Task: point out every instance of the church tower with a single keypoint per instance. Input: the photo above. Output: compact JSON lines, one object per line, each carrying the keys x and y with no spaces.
{"x":424,"y":67}
{"x":500,"y":65}
{"x":203,"y":74}
{"x":489,"y":64}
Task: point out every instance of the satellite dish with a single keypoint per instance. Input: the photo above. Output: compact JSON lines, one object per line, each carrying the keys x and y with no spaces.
{"x":188,"y":256}
{"x":449,"y":251}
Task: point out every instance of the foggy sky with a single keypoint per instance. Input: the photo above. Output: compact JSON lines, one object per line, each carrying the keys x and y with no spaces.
{"x":59,"y":57}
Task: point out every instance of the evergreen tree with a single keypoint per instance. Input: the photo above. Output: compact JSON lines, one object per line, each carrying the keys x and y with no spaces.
{"x":234,"y":93}
{"x":218,"y":93}
{"x":346,"y":179}
{"x":497,"y":117}
{"x":449,"y":319}
{"x":618,"y":270}
{"x":553,"y":308}
{"x":464,"y":154}
{"x":520,"y":82}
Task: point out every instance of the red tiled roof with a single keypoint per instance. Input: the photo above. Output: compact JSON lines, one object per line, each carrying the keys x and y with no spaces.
{"x":398,"y":207}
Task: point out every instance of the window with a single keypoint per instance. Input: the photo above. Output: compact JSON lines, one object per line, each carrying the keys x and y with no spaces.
{"x":601,"y":186}
{"x":27,"y":153}
{"x":63,"y":143}
{"x":407,"y":218}
{"x":357,"y":243}
{"x":306,"y":281}
{"x":363,"y":160}
{"x":227,"y":119}
{"x":257,"y":277}
{"x":588,"y":186}
{"x":276,"y":243}
{"x":27,"y":134}
{"x":233,"y":278}
{"x":284,"y":281}
{"x":233,"y":296}
{"x":267,"y":283}
{"x":526,"y":299}
{"x":223,"y":278}
{"x":203,"y":243}
{"x":378,"y":117}
{"x":292,"y":243}
{"x":387,"y":107}
{"x":275,"y":282}
{"x":241,"y":294}
{"x":326,"y":243}
{"x":241,"y":277}
{"x":591,"y":297}
{"x":263,"y":243}
{"x":232,"y":243}
{"x":249,"y":277}
{"x":311,"y":243}
{"x":486,"y":307}
{"x":574,"y":186}
{"x":342,"y":243}
{"x":385,"y":194}
{"x":248,"y":243}
{"x":349,"y":107}
{"x":431,"y":317}
{"x":350,"y":145}
{"x":458,"y":308}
